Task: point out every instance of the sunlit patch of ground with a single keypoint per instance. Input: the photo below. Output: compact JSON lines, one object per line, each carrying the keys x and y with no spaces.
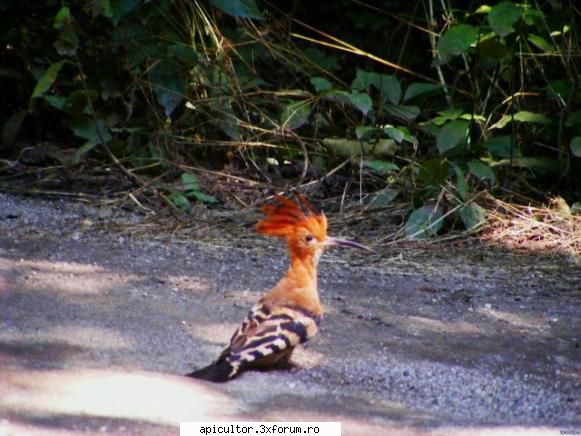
{"x":131,"y":396}
{"x":64,"y":277}
{"x":553,"y":228}
{"x":77,"y":336}
{"x":420,"y":323}
{"x":533,"y":325}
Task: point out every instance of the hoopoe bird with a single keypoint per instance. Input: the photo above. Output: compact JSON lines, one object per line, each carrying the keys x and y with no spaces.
{"x":290,"y":313}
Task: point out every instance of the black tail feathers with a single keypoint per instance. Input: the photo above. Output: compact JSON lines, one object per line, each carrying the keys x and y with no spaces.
{"x":217,"y":372}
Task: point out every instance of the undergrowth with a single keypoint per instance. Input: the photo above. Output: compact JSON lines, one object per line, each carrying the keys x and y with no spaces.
{"x":430,"y":103}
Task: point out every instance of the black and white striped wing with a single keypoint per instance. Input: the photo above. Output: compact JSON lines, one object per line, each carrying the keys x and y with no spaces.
{"x":269,"y":334}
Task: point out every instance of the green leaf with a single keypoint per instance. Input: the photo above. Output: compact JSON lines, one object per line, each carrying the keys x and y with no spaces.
{"x":78,"y":100}
{"x":574,"y":119}
{"x":500,"y":147}
{"x":367,"y":132}
{"x":203,"y":197}
{"x":169,"y":85}
{"x":390,"y":88}
{"x":120,"y":8}
{"x":559,"y":205}
{"x":321,"y":84}
{"x":400,"y":133}
{"x":320,"y":58}
{"x":104,"y":9}
{"x":94,"y":132}
{"x":483,"y":9}
{"x":482,"y":171}
{"x":424,"y":223}
{"x":503,"y":16}
{"x":12,"y":127}
{"x":541,"y":43}
{"x":187,"y":55}
{"x":531,"y":117}
{"x":239,"y":8}
{"x":475,"y":117}
{"x":394,"y":133}
{"x":56,"y":101}
{"x":295,"y":115}
{"x":434,"y":172}
{"x":405,"y":112}
{"x":566,"y":28}
{"x":457,"y":40}
{"x":380,"y":167}
{"x":225,"y":119}
{"x":345,"y":147}
{"x":453,"y":134}
{"x":493,"y":48}
{"x":430,"y":129}
{"x":559,"y":88}
{"x":542,"y":164}
{"x":180,"y":201}
{"x":364,"y":79}
{"x":534,"y":17}
{"x":388,"y":85}
{"x":461,"y":183}
{"x":500,"y":124}
{"x":68,"y":42}
{"x":382,"y":198}
{"x":445,"y":116}
{"x":416,"y":89}
{"x":473,"y":216}
{"x":575,"y":146}
{"x":522,"y":117}
{"x":62,"y":18}
{"x":338,"y":96}
{"x":81,"y":151}
{"x":189,"y":182}
{"x":47,"y":79}
{"x":451,"y":114}
{"x":361,"y":101}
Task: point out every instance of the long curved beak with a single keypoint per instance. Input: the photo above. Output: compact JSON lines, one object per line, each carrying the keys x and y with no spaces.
{"x":336,"y":242}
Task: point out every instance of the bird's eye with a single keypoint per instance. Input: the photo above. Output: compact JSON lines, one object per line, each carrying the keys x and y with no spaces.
{"x":309,"y":238}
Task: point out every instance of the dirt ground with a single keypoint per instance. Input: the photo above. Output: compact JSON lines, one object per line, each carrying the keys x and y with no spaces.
{"x":97,"y":328}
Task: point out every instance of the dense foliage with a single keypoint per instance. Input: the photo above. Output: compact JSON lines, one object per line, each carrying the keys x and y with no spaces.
{"x":429,"y":101}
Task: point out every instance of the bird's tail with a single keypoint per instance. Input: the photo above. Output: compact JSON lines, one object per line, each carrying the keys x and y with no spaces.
{"x":217,"y":372}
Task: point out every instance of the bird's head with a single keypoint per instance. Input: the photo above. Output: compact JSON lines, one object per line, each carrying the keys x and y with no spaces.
{"x":304,"y":231}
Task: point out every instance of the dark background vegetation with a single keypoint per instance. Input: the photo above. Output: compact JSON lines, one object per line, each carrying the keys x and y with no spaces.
{"x":436,"y":104}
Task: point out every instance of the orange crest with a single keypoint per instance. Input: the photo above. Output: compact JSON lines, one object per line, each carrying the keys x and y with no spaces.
{"x":284,"y":219}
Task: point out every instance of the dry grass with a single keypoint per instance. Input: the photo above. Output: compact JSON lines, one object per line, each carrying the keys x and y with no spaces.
{"x":547,"y":228}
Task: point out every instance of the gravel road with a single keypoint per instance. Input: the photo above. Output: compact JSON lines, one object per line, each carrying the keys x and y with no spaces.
{"x":96,"y":328}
